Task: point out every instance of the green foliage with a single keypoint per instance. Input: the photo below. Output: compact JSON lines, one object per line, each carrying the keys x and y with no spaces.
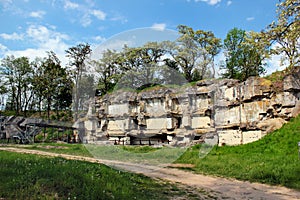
{"x":195,"y":51}
{"x":17,"y":73}
{"x":78,"y":55}
{"x":109,"y":71}
{"x":35,"y":177}
{"x":243,"y":58}
{"x":273,"y":159}
{"x":52,"y":84}
{"x":285,"y":32}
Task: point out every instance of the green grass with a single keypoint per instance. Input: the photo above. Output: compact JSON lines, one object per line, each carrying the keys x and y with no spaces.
{"x":140,"y":149}
{"x":272,"y":160}
{"x":26,"y":176}
{"x":71,"y":149}
{"x":61,"y":148}
{"x":136,"y":154}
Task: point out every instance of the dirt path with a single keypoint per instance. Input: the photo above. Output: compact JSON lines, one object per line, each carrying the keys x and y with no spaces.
{"x":217,"y":187}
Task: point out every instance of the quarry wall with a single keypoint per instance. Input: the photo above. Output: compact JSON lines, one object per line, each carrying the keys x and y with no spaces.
{"x":226,"y":112}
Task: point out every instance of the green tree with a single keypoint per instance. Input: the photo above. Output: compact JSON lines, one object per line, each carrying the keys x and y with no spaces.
{"x":78,"y":56}
{"x":52,"y":84}
{"x":139,"y":64}
{"x":194,"y":51}
{"x":108,"y":69}
{"x":17,"y":74}
{"x":284,"y":34}
{"x":38,"y":84}
{"x":243,"y":59}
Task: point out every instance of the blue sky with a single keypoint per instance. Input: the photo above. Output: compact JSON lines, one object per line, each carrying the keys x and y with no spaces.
{"x":32,"y":27}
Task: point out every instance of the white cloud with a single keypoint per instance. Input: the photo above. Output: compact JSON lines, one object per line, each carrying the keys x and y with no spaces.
{"x":160,"y":27}
{"x":29,"y":53}
{"x":99,"y":14}
{"x":85,"y":12}
{"x":210,"y":2}
{"x":111,"y":44}
{"x":13,"y":36}
{"x":6,"y":3}
{"x":43,"y":39}
{"x":70,"y":5}
{"x":250,"y":18}
{"x":99,"y":38}
{"x":120,"y":18}
{"x":85,"y":20}
{"x":37,"y":14}
{"x":229,"y":3}
{"x":3,"y":49}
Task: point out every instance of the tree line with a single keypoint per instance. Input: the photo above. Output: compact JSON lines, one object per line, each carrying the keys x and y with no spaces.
{"x":45,"y":85}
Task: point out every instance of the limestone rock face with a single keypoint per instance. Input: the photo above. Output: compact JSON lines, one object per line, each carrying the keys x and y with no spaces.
{"x":292,"y":81}
{"x":227,"y":110}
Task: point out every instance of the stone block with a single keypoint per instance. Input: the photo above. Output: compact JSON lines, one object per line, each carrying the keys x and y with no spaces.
{"x":118,"y":109}
{"x":251,"y":136}
{"x":200,"y":122}
{"x":186,"y":121}
{"x":156,"y":123}
{"x":230,"y":137}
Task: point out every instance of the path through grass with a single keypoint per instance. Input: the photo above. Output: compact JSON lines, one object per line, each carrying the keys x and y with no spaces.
{"x":26,"y":176}
{"x":273,"y":159}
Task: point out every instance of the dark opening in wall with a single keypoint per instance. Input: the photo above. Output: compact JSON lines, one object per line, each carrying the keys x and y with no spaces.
{"x":207,"y":113}
{"x":104,"y":127}
{"x":179,"y":122}
{"x":197,"y":137}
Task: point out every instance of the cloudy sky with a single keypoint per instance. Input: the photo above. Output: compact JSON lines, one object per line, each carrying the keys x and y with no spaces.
{"x":32,"y":27}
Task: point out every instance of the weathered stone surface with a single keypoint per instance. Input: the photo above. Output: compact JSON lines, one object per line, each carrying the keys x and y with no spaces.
{"x":201,"y":122}
{"x":237,"y":113}
{"x":251,"y":136}
{"x":254,"y":87}
{"x":292,"y":81}
{"x":296,"y":110}
{"x":270,"y":125}
{"x":230,"y":137}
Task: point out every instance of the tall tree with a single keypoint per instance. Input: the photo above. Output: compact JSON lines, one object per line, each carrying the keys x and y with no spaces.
{"x":243,"y":59}
{"x":195,"y":51}
{"x":17,"y":74}
{"x":52,"y":84}
{"x":139,"y":63}
{"x":109,"y":70}
{"x":284,"y":34}
{"x":78,"y":56}
{"x":38,"y":83}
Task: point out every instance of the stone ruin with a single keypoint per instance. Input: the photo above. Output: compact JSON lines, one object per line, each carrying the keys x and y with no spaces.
{"x":225,"y":111}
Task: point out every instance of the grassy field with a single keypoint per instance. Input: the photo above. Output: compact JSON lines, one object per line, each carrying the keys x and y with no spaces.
{"x":34,"y":177}
{"x":62,"y":148}
{"x":134,"y":154}
{"x":273,"y":159}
